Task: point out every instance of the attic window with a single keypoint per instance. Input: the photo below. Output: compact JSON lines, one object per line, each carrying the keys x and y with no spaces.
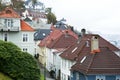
{"x":8,"y":12}
{"x":74,"y":49}
{"x":36,"y":34}
{"x":83,"y":59}
{"x":87,"y":44}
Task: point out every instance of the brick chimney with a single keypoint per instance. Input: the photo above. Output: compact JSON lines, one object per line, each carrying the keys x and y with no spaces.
{"x":95,"y":45}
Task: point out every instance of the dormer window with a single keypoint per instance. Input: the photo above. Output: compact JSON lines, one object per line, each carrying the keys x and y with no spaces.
{"x":83,"y":59}
{"x":87,"y":44}
{"x":8,"y":12}
{"x":74,"y":49}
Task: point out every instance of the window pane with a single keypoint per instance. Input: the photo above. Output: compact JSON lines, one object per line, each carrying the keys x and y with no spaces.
{"x":5,"y":37}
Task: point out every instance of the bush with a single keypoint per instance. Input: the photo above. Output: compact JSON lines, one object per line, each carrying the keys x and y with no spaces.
{"x":17,"y":64}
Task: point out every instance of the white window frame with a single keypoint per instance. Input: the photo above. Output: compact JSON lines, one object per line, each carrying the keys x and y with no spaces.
{"x":100,"y":77}
{"x":25,"y":37}
{"x":8,"y":23}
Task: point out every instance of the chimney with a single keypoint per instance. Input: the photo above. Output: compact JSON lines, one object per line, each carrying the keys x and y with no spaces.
{"x":95,"y":45}
{"x":83,"y":32}
{"x":72,"y":29}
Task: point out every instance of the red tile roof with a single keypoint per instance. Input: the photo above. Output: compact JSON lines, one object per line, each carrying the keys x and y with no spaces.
{"x":9,"y":13}
{"x":72,"y":56}
{"x":25,"y":26}
{"x":103,"y":62}
{"x":59,"y":39}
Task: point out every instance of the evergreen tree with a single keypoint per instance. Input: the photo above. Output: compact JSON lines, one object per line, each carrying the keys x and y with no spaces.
{"x":51,"y":18}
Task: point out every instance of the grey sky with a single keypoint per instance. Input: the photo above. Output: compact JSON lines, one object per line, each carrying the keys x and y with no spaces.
{"x":95,"y":15}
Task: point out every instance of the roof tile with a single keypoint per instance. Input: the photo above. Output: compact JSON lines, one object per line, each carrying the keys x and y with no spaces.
{"x":25,"y":26}
{"x":103,"y":62}
{"x":9,"y":13}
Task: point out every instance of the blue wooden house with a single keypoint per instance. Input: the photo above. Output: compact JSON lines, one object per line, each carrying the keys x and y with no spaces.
{"x":97,"y":59}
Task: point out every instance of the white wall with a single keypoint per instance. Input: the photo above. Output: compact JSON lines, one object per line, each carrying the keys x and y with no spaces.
{"x":16,"y":38}
{"x":65,"y":68}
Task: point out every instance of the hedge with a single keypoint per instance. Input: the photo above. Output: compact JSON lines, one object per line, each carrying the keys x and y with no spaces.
{"x":17,"y":64}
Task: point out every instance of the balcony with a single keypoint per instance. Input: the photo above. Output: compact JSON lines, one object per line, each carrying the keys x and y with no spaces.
{"x":9,"y":29}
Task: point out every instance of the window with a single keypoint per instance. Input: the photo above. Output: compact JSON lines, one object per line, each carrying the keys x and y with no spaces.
{"x":117,"y":77}
{"x":100,"y":77}
{"x":25,"y":37}
{"x":77,"y":76}
{"x":74,"y":49}
{"x":8,"y":23}
{"x":25,"y":49}
{"x":83,"y":59}
{"x":5,"y":35}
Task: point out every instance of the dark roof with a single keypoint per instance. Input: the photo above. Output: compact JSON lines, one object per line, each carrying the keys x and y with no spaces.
{"x":104,"y":62}
{"x":41,"y":34}
{"x":68,"y":54}
{"x":27,"y":19}
{"x":61,"y":25}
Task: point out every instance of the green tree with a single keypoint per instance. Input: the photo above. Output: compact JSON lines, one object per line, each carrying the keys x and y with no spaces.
{"x":51,"y":18}
{"x":2,"y":6}
{"x":17,"y":4}
{"x":17,"y":64}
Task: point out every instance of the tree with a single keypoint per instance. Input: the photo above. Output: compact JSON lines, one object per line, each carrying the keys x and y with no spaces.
{"x":17,"y":64}
{"x":51,"y":18}
{"x":2,"y":6}
{"x":18,"y":4}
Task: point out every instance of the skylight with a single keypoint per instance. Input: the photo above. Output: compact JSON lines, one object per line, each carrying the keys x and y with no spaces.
{"x":74,"y":49}
{"x":36,"y":34}
{"x":83,"y":59}
{"x":43,"y":34}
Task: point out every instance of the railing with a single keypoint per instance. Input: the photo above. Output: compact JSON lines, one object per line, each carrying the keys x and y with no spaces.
{"x":9,"y":29}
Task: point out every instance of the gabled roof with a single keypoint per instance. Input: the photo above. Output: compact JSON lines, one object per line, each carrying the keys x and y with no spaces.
{"x":9,"y":13}
{"x":68,"y":54}
{"x":25,"y":26}
{"x":105,"y":62}
{"x":59,"y":39}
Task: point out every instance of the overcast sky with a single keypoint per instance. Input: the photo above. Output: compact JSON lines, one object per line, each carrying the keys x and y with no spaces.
{"x":101,"y":16}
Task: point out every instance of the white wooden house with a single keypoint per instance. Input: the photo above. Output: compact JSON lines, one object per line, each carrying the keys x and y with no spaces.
{"x":15,"y":30}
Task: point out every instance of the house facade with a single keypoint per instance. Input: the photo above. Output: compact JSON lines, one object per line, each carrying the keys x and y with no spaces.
{"x":96,"y":60}
{"x":15,"y":30}
{"x":57,"y":41}
{"x":84,"y":47}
